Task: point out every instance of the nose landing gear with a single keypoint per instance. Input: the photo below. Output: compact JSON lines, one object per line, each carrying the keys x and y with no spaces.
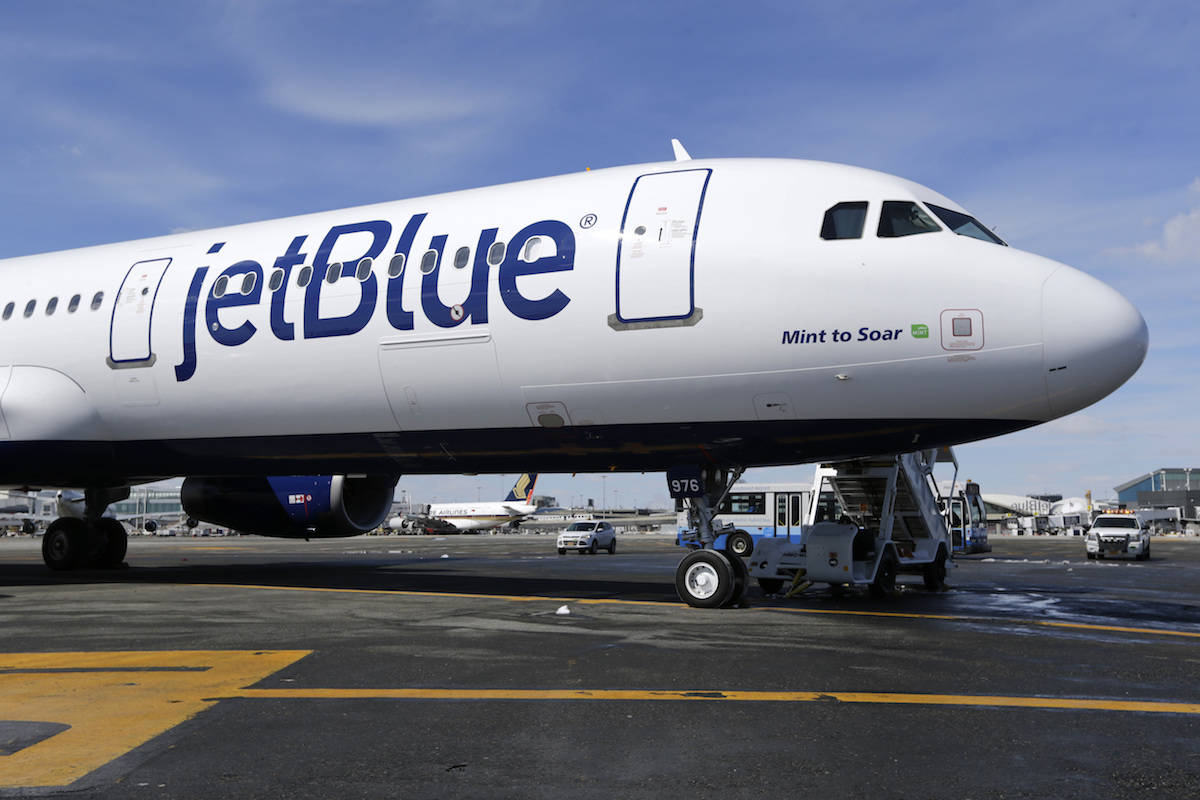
{"x":91,"y":541}
{"x":706,"y":578}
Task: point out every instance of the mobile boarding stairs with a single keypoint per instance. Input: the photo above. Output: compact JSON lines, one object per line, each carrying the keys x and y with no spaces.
{"x":891,"y":523}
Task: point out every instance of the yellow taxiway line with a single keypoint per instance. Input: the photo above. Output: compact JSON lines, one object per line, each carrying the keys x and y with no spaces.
{"x":517,"y":598}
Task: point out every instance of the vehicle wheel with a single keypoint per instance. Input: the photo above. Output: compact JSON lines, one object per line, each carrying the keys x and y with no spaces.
{"x":612,"y":546}
{"x":770,"y":585}
{"x":884,"y":584}
{"x":562,"y":551}
{"x":1091,"y":556}
{"x":705,"y":579}
{"x":65,"y":544}
{"x":1145,"y":554}
{"x":592,"y":548}
{"x":112,"y":545}
{"x":740,"y":544}
{"x":935,"y":574}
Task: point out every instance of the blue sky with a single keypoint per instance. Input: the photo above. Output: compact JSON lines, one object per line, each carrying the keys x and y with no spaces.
{"x":1072,"y":128}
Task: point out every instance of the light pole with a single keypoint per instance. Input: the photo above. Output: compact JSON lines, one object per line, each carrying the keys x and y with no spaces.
{"x":604,"y":492}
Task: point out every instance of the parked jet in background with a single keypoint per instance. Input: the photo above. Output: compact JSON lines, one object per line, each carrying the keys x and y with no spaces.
{"x":517,"y":506}
{"x":700,"y":314}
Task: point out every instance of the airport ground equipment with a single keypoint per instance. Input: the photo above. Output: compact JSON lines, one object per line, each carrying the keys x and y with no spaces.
{"x":1117,"y":535}
{"x":891,"y":524}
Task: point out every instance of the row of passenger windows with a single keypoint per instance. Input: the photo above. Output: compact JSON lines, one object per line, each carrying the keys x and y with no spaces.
{"x":52,"y":306}
{"x":900,"y":218}
{"x":532,"y":251}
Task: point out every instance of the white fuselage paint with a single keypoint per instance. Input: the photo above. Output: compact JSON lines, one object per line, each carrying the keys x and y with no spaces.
{"x":750,"y":339}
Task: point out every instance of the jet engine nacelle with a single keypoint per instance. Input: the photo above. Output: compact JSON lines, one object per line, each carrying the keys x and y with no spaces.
{"x":293,"y":506}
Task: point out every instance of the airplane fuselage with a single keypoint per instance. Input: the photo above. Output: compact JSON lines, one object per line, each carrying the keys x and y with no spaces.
{"x":628,"y":318}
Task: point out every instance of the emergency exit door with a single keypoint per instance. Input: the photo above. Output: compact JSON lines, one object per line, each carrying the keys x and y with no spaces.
{"x":133,"y":309}
{"x":656,"y":252}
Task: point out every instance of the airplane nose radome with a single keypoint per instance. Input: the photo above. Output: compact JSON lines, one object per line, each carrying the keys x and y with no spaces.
{"x":1093,"y":340}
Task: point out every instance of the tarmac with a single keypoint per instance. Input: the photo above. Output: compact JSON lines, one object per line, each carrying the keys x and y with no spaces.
{"x":490,"y":666}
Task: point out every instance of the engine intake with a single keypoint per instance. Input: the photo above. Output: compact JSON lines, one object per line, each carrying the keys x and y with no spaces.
{"x":292,"y":506}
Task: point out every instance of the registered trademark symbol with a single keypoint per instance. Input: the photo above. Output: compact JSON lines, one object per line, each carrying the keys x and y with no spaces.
{"x":588,"y":221}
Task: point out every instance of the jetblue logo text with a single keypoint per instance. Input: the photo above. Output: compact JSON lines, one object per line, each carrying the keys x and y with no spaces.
{"x":472,"y":309}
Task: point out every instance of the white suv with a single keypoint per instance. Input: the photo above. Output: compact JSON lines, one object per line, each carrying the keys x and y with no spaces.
{"x":1117,"y":534}
{"x":588,"y":537}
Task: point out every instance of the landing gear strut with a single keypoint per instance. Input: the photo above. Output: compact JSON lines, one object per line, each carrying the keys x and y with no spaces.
{"x":72,"y":542}
{"x":706,"y":578}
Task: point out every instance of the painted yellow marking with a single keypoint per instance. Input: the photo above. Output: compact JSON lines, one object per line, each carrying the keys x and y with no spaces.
{"x":519,"y":598}
{"x":113,"y":702}
{"x":1073,"y":703}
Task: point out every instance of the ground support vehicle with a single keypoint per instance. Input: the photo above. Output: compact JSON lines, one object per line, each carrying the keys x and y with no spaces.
{"x":1117,"y":535}
{"x":891,"y":524}
{"x":748,"y":513}
{"x":588,"y":537}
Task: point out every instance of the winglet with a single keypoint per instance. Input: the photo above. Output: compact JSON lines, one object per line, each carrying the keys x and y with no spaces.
{"x":681,"y":154}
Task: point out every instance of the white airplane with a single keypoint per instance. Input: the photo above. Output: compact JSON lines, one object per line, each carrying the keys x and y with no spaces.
{"x":695,"y":315}
{"x":483,"y":516}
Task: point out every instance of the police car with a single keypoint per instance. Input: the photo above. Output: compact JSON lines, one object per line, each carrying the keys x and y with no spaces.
{"x":1117,"y":535}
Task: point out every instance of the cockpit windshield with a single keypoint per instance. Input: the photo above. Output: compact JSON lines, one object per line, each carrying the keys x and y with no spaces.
{"x":965,"y":225}
{"x":904,"y":218}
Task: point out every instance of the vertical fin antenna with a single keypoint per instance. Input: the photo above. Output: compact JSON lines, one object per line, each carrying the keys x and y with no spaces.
{"x":681,"y":154}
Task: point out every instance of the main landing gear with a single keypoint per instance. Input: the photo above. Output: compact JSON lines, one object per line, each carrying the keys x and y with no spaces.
{"x":706,"y":578}
{"x":72,"y":542}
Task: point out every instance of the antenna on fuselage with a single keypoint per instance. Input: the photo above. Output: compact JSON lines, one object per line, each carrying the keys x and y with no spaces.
{"x":681,"y":154}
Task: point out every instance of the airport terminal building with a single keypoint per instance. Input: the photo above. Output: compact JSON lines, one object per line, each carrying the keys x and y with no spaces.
{"x":1168,"y":487}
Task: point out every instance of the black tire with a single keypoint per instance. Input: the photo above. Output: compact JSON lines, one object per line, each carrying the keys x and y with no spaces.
{"x":65,"y":544}
{"x":1091,"y":556}
{"x":591,"y":551}
{"x":884,"y":584}
{"x":934,"y":574}
{"x":770,"y":585}
{"x":112,"y":543}
{"x":705,"y":579}
{"x":741,"y":579}
{"x":562,"y":551}
{"x":612,"y":546}
{"x":1145,"y":554}
{"x":739,"y":543}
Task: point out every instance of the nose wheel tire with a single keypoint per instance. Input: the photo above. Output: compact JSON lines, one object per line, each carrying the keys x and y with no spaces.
{"x":740,"y":543}
{"x":707,"y":579}
{"x":65,"y":544}
{"x":112,"y":543}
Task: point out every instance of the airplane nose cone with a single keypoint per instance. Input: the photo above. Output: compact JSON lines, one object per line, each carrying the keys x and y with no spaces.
{"x":1093,"y":340}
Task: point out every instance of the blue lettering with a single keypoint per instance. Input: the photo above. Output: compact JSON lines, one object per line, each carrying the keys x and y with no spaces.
{"x":399,"y":318}
{"x":563,"y":259}
{"x":284,"y":330}
{"x":475,"y":307}
{"x":187,"y":368}
{"x":316,"y":326}
{"x":232,"y":337}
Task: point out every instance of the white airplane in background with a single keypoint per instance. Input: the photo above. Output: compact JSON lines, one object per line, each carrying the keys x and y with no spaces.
{"x":703,"y":315}
{"x":483,"y":516}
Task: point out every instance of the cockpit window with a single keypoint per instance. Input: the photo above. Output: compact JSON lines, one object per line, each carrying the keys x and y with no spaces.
{"x":903,"y":218}
{"x":844,"y":221}
{"x":964,"y":225}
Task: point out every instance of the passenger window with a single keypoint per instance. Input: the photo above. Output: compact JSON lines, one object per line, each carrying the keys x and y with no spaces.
{"x":364,"y":268}
{"x":496,"y":254}
{"x":844,"y":221}
{"x":220,"y":286}
{"x":248,"y":282}
{"x":396,"y":265}
{"x":29,"y":307}
{"x":304,"y":276}
{"x":8,"y":310}
{"x":97,"y":300}
{"x":532,"y":247}
{"x":461,"y":256}
{"x":903,"y":218}
{"x":429,"y":261}
{"x":73,"y":305}
{"x":333,"y":272}
{"x":276,"y":280}
{"x":51,"y":305}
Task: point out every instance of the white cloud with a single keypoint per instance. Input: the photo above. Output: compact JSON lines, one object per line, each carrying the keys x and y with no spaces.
{"x":1179,"y":242}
